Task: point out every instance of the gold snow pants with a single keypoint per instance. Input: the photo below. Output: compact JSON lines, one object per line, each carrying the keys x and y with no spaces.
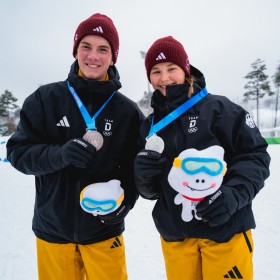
{"x":203,"y":259}
{"x":99,"y":261}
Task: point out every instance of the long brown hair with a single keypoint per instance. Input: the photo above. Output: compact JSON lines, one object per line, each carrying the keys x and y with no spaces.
{"x":190,"y":80}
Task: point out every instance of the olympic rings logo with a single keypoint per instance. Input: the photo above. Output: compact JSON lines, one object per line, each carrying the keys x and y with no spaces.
{"x":192,"y":130}
{"x":107,"y":133}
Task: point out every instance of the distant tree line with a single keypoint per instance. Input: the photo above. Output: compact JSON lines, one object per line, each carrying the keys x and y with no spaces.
{"x":258,"y":86}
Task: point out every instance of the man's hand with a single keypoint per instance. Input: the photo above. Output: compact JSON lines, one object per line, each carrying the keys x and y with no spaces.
{"x":78,"y":152}
{"x":216,"y":209}
{"x":148,"y":163}
{"x":117,"y":216}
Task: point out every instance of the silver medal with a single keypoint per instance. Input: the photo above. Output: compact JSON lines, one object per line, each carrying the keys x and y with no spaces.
{"x":154,"y":143}
{"x":94,"y":138}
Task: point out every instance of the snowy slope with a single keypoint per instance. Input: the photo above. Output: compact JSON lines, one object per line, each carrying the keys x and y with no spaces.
{"x":144,"y":258}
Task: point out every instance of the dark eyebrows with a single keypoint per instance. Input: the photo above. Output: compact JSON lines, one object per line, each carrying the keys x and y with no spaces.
{"x":85,"y":43}
{"x":105,"y":47}
{"x":170,"y":64}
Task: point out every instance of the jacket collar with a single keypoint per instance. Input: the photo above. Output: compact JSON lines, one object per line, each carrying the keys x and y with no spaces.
{"x":176,"y":95}
{"x":92,"y":87}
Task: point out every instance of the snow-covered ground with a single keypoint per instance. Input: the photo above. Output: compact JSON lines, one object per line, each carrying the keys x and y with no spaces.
{"x":144,"y":257}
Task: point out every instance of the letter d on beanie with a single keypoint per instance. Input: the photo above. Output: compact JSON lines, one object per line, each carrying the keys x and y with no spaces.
{"x":167,"y":49}
{"x":99,"y":25}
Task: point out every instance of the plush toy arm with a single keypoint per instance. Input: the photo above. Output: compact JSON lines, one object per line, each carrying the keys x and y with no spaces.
{"x":178,"y":199}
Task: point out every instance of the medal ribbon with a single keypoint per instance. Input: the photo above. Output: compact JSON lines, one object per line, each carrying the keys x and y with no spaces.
{"x":90,"y":122}
{"x":176,"y":113}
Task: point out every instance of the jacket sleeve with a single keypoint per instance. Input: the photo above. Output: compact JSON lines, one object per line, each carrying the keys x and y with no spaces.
{"x":245,"y":153}
{"x":148,"y":187}
{"x":130,"y":151}
{"x":29,"y":149}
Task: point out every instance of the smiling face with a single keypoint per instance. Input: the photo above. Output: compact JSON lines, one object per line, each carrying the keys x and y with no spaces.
{"x":194,"y":186}
{"x":166,"y":74}
{"x":196,"y":174}
{"x":94,"y":57}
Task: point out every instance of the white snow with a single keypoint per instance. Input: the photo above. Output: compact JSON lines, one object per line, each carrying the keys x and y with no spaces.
{"x":144,"y":257}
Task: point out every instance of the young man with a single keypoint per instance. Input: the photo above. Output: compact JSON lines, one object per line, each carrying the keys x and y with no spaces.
{"x":205,"y":231}
{"x":72,"y":134}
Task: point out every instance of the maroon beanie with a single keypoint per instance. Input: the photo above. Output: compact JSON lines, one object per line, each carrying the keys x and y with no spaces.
{"x":99,"y":25}
{"x":167,"y":49}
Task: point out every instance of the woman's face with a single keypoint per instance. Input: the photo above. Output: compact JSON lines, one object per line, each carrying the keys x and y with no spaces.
{"x":166,"y":74}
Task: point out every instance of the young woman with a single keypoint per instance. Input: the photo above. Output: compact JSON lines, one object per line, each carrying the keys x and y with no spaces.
{"x":215,"y":241}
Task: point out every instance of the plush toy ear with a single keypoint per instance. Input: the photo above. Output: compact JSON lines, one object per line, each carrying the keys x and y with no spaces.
{"x":216,"y":152}
{"x":115,"y":183}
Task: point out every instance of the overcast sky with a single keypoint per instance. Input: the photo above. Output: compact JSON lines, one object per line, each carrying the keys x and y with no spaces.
{"x":222,"y":38}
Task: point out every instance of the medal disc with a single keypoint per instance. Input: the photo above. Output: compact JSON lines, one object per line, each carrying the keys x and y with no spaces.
{"x":94,"y":138}
{"x":154,"y":143}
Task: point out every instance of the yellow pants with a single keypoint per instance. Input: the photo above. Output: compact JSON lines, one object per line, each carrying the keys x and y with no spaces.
{"x":203,"y":259}
{"x":99,"y":261}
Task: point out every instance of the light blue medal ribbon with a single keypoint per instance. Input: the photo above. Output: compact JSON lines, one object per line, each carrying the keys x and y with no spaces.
{"x":90,"y":122}
{"x":176,"y":113}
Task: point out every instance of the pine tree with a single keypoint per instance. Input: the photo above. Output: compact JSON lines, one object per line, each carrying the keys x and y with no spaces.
{"x":258,"y":85}
{"x":276,"y":81}
{"x":7,"y":103}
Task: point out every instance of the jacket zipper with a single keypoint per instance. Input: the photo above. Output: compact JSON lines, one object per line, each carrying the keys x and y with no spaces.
{"x":175,"y":149}
{"x":76,"y":214}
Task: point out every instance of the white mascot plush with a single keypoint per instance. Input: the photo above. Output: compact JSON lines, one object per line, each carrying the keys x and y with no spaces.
{"x":196,"y":174}
{"x":102,"y":198}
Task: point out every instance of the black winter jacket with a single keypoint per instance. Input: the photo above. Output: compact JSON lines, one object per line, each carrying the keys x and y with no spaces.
{"x":35,"y":148}
{"x":215,"y":120}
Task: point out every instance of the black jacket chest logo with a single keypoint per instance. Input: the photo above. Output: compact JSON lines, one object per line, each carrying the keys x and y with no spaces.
{"x":107,"y":130}
{"x":192,"y":124}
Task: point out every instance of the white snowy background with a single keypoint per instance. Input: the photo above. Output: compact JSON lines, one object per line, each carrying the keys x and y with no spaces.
{"x":144,"y":257}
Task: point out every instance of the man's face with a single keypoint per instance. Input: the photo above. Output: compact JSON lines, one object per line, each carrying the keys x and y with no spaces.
{"x":94,"y":57}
